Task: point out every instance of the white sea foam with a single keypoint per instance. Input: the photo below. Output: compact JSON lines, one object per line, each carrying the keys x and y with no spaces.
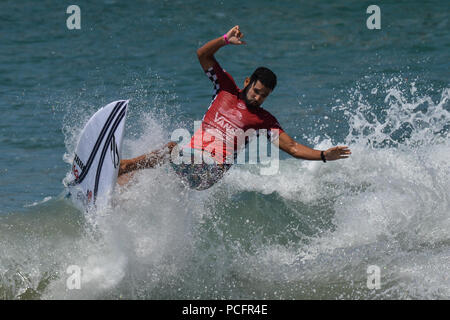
{"x":310,"y":231}
{"x":387,"y":199}
{"x":390,"y":202}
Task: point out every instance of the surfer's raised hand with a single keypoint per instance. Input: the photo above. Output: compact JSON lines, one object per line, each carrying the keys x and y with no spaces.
{"x":235,"y":35}
{"x":206,"y":52}
{"x":336,"y":153}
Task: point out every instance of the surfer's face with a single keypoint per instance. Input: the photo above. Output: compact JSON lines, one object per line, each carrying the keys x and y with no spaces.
{"x":255,"y":93}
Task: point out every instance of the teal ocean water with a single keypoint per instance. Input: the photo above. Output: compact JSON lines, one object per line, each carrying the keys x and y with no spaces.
{"x":309,"y":232}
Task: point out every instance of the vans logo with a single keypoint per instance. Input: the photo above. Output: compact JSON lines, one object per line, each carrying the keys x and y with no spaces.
{"x":78,"y":161}
{"x":224,"y":122}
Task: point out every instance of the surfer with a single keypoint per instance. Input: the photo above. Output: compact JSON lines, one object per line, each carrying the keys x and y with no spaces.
{"x":231,"y":109}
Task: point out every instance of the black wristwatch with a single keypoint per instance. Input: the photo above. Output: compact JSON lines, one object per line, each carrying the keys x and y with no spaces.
{"x":322,"y":155}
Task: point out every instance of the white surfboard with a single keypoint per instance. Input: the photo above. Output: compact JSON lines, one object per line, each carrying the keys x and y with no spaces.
{"x":97,"y":156}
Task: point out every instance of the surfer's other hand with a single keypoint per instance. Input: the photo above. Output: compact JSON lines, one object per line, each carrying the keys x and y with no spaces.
{"x":336,"y":153}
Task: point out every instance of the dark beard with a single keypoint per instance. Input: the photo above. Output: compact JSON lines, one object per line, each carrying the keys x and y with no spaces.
{"x":247,"y":102}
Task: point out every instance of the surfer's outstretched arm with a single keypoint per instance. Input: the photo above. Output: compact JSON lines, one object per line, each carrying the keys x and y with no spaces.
{"x":148,"y":160}
{"x":206,"y":53}
{"x":297,"y":150}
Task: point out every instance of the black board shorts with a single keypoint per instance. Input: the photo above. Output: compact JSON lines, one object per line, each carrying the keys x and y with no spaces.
{"x":200,"y":176}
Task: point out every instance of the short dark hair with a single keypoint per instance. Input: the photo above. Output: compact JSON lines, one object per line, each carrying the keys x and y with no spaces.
{"x":265,"y":76}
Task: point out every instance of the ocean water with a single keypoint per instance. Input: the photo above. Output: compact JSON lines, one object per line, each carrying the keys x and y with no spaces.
{"x":310,"y":232}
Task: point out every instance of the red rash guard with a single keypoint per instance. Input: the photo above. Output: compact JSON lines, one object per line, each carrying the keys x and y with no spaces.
{"x":228,"y":116}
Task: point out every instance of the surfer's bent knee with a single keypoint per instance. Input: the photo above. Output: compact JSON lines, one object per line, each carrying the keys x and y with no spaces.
{"x":128,"y":165}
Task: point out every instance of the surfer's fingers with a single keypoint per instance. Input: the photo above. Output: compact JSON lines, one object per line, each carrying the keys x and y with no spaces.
{"x":344,"y":149}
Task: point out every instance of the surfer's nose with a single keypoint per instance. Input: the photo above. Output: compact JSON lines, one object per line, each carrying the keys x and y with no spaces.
{"x":259,"y":98}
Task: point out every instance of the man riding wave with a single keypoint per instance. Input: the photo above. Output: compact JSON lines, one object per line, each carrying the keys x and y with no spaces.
{"x":231,"y":112}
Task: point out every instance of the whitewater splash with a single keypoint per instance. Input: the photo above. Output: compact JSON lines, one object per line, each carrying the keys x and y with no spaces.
{"x":309,"y":232}
{"x":390,"y":204}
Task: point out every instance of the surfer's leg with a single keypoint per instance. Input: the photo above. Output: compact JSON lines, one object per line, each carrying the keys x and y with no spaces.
{"x":200,"y":176}
{"x":125,"y":178}
{"x":148,"y":160}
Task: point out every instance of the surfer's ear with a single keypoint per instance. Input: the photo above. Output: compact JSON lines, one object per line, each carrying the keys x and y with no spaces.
{"x":246,"y":81}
